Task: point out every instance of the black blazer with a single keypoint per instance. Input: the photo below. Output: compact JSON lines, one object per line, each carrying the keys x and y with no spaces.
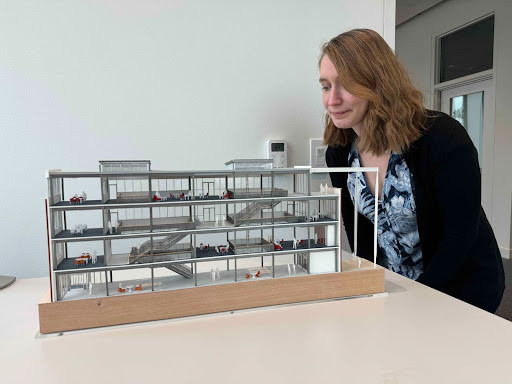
{"x":460,"y":253}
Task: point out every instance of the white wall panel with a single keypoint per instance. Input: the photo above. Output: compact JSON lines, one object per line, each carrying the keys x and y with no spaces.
{"x":186,"y":84}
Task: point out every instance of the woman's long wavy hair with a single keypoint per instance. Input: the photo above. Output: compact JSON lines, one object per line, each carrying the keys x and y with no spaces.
{"x":368,"y":68}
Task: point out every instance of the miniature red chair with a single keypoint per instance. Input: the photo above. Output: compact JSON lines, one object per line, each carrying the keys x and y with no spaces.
{"x":258,"y":274}
{"x":121,"y":290}
{"x":156,"y":198}
{"x":277,"y":247}
{"x":138,"y":287}
{"x":247,"y":276}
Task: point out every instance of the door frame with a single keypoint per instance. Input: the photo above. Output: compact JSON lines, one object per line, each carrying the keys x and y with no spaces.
{"x":475,"y":79}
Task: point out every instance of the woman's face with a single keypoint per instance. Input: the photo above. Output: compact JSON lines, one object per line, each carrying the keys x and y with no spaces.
{"x":345,"y":110}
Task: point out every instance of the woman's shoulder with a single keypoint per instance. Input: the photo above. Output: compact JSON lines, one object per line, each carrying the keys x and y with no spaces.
{"x":443,"y":136}
{"x":442,"y":130}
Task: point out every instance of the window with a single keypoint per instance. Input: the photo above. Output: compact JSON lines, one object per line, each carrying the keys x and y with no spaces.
{"x":468,"y":50}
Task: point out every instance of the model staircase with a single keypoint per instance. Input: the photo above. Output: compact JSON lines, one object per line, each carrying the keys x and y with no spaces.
{"x":161,"y":245}
{"x":180,"y":269}
{"x":252,"y":209}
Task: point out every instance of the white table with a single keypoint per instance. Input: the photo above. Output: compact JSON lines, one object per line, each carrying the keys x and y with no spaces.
{"x":412,"y":335}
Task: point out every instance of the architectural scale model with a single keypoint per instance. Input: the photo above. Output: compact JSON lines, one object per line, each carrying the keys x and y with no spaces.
{"x":127,"y":230}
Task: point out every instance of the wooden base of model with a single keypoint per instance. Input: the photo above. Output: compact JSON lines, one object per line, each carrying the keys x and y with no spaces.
{"x":92,"y":313}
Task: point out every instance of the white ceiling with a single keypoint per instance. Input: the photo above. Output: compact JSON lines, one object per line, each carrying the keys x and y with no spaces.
{"x":407,"y":9}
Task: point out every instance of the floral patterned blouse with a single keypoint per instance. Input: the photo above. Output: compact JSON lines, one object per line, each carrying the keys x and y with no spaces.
{"x":397,"y":233}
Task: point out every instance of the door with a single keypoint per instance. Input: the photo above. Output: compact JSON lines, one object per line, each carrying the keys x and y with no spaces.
{"x":471,"y":105}
{"x":208,"y":214}
{"x":208,"y":187}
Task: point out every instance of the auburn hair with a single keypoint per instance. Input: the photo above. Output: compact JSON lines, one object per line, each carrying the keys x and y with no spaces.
{"x":367,"y":68}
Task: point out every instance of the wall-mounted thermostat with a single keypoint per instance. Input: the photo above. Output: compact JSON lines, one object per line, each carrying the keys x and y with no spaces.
{"x":277,"y":150}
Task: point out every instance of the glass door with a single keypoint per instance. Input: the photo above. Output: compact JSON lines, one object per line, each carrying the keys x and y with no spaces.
{"x":471,"y":105}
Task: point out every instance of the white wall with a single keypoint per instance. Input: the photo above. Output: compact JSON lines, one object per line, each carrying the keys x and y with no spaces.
{"x":414,"y":46}
{"x":186,"y":84}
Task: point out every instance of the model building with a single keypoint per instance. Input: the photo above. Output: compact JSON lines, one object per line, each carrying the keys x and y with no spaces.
{"x":127,"y":229}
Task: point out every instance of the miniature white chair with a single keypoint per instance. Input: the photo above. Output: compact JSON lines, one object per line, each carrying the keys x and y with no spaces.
{"x":109,"y":228}
{"x":94,"y":257}
{"x":316,"y":237}
{"x":295,"y":243}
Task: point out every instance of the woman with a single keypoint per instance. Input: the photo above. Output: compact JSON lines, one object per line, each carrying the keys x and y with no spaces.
{"x":431,"y":226}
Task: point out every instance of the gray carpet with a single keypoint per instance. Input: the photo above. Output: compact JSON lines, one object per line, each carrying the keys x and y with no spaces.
{"x":505,"y":308}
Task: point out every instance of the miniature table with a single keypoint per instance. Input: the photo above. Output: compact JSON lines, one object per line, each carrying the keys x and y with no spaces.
{"x":412,"y":335}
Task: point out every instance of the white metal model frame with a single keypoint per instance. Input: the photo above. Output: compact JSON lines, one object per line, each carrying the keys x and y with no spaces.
{"x":243,"y":199}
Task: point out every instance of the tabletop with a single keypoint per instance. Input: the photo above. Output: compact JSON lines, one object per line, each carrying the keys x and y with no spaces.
{"x":413,"y":334}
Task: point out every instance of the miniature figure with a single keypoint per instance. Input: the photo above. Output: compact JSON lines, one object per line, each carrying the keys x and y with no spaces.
{"x":115,"y":224}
